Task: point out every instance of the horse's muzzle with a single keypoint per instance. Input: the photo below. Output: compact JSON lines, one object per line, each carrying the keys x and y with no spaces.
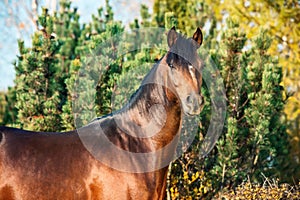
{"x":194,"y":104}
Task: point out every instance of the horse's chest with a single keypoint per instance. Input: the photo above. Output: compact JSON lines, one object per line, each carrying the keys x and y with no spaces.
{"x":112,"y":184}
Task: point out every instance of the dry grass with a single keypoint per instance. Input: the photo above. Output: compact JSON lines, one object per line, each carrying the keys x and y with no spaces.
{"x":269,"y":190}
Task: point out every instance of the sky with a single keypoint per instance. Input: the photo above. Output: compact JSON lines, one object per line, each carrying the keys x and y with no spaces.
{"x":125,"y":11}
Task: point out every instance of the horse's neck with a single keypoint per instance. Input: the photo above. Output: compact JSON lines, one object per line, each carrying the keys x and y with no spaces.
{"x":154,"y":112}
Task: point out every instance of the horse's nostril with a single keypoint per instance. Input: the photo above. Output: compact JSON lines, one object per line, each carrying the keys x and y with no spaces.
{"x":189,"y":99}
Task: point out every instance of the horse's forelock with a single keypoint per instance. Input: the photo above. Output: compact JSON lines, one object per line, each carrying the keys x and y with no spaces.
{"x":184,"y":52}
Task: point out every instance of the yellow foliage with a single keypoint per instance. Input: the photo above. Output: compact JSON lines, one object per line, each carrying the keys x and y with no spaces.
{"x":76,"y":62}
{"x":195,"y":186}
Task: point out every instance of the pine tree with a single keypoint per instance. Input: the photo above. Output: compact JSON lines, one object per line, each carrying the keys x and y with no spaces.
{"x":95,"y":71}
{"x":37,"y":98}
{"x":68,"y":31}
{"x":189,"y":13}
{"x":10,"y":112}
{"x":254,"y":143}
{"x":233,"y":72}
{"x":3,"y":104}
{"x":268,"y":143}
{"x":42,"y":69}
{"x":284,"y":30}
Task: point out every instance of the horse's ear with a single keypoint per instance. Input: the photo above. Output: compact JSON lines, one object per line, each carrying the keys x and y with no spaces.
{"x":172,"y":36}
{"x":198,"y":37}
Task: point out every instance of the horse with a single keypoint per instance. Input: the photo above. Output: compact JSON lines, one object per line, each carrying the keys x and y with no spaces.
{"x":51,"y":165}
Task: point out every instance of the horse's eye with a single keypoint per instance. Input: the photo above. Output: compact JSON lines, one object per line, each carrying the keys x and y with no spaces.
{"x":171,"y":66}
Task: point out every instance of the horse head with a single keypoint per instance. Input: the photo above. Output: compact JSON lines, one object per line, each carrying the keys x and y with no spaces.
{"x":185,"y":70}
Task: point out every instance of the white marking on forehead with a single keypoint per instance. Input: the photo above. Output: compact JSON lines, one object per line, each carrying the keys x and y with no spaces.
{"x":192,"y":72}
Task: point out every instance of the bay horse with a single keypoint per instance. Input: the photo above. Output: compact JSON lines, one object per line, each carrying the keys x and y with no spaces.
{"x":40,"y":165}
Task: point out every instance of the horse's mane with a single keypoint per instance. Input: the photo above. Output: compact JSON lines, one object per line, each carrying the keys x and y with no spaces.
{"x":149,"y":90}
{"x":139,"y":97}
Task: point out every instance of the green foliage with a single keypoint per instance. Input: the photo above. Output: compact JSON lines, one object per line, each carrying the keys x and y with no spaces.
{"x":281,"y":20}
{"x":268,"y":141}
{"x":170,"y":20}
{"x":37,"y":99}
{"x":254,"y":140}
{"x":72,"y":73}
{"x":232,"y":67}
{"x":42,"y":69}
{"x":3,"y":104}
{"x":188,"y":14}
{"x":10,"y":112}
{"x":99,"y":64}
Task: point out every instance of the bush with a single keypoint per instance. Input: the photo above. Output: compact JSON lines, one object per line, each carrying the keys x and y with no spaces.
{"x":270,"y":189}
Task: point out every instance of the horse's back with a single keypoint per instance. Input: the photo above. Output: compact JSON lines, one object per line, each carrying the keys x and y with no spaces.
{"x":43,"y":165}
